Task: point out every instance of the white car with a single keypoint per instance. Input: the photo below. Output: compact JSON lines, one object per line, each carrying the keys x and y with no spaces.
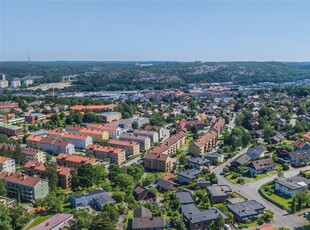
{"x":227,"y":227}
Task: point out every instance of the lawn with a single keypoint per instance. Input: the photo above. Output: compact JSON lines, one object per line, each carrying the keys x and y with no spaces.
{"x":278,"y":199}
{"x":253,"y":224}
{"x":38,"y":221}
{"x":234,"y":180}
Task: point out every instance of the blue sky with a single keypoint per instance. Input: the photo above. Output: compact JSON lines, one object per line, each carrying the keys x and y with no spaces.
{"x":155,"y":30}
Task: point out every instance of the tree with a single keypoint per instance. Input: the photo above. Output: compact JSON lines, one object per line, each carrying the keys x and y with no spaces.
{"x":212,"y":226}
{"x":124,"y":182}
{"x":119,"y":197}
{"x":86,"y":175}
{"x":183,"y":160}
{"x":74,"y":180}
{"x":2,"y":188}
{"x":213,"y":178}
{"x":53,"y":202}
{"x":83,"y":220}
{"x":293,"y":205}
{"x":51,"y":174}
{"x":5,"y":220}
{"x":110,"y":211}
{"x":135,"y":125}
{"x":19,"y":217}
{"x":220,"y":222}
{"x":136,"y":171}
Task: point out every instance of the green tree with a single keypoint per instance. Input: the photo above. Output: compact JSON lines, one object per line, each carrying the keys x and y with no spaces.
{"x":293,"y":205}
{"x":53,"y":202}
{"x":124,"y":182}
{"x":135,"y":125}
{"x":220,"y":222}
{"x":19,"y":217}
{"x":119,"y":196}
{"x":82,"y":221}
{"x":136,"y":171}
{"x":183,"y":160}
{"x":5,"y":219}
{"x":51,"y":174}
{"x":2,"y":188}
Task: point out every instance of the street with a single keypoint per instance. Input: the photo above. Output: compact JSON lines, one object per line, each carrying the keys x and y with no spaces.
{"x":250,"y":191}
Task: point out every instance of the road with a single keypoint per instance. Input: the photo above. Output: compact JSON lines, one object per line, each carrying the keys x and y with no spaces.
{"x":121,"y":222}
{"x":250,"y":191}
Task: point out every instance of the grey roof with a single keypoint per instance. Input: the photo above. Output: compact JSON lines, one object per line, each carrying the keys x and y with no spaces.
{"x":297,"y":155}
{"x":218,"y":190}
{"x":235,"y":200}
{"x":109,"y":114}
{"x":190,"y":173}
{"x":91,"y":193}
{"x":163,"y":183}
{"x":199,"y":160}
{"x":195,"y":215}
{"x":143,"y":219}
{"x":243,"y":159}
{"x":259,"y":149}
{"x":296,"y":182}
{"x":184,"y":197}
{"x":262,"y":164}
{"x":104,"y":199}
{"x":213,"y":155}
{"x":246,"y":208}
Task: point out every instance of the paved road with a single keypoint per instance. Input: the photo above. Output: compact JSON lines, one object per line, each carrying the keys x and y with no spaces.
{"x":121,"y":222}
{"x":133,"y":161}
{"x":250,"y":191}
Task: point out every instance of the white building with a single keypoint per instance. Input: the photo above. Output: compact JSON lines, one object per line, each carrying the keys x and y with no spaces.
{"x":34,"y":155}
{"x":291,"y":186}
{"x":7,"y":164}
{"x":15,"y":83}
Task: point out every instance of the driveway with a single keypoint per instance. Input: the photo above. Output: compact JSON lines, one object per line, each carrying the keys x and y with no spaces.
{"x":250,"y":191}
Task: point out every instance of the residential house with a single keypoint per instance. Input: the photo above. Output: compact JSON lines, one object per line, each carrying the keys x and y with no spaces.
{"x":215,"y":157}
{"x":143,"y":220}
{"x":261,"y":166}
{"x":188,"y":176}
{"x":143,"y":194}
{"x":157,"y":162}
{"x":131,"y":147}
{"x":184,"y":197}
{"x":115,"y":155}
{"x":256,"y":152}
{"x":198,"y":162}
{"x":301,"y":145}
{"x":97,"y":199}
{"x":164,"y":185}
{"x":55,"y":222}
{"x":277,"y":139}
{"x":300,"y":157}
{"x":27,"y":187}
{"x":7,"y":164}
{"x":200,"y":219}
{"x":242,"y":211}
{"x":291,"y":186}
{"x":240,"y":160}
{"x":219,"y":193}
{"x":307,"y":136}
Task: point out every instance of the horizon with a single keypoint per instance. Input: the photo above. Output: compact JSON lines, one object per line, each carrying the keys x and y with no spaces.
{"x":175,"y":31}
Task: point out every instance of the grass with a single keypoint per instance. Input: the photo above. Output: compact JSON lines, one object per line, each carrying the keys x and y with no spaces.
{"x":38,"y":221}
{"x":234,"y":180}
{"x":278,"y":199}
{"x":252,"y":224}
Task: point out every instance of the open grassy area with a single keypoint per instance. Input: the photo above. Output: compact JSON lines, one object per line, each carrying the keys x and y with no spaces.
{"x":274,"y":197}
{"x":38,"y":221}
{"x":252,"y":224}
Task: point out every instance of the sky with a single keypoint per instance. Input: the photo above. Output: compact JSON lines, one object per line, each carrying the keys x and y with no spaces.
{"x":162,"y":30}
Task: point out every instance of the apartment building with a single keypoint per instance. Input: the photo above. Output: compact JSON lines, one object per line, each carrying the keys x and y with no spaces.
{"x":7,"y":164}
{"x":34,"y":155}
{"x":162,"y":132}
{"x":116,"y":155}
{"x":74,"y":161}
{"x":6,"y":106}
{"x":111,"y":116}
{"x":50,"y":145}
{"x":28,"y":188}
{"x":98,"y":135}
{"x":32,"y":168}
{"x":78,"y":140}
{"x":113,"y":130}
{"x":131,"y":147}
{"x":145,"y":142}
{"x":34,"y":117}
{"x":157,"y":162}
{"x":10,"y":130}
{"x":200,"y":146}
{"x":217,"y":125}
{"x":151,"y":134}
{"x":172,"y":144}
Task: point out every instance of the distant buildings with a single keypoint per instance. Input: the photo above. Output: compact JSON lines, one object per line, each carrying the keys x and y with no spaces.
{"x":131,"y":147}
{"x":114,"y":131}
{"x":151,"y":134}
{"x":111,"y":116}
{"x":145,"y":142}
{"x":3,"y":82}
{"x":10,"y":130}
{"x":97,"y":135}
{"x":74,"y":161}
{"x":16,"y":83}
